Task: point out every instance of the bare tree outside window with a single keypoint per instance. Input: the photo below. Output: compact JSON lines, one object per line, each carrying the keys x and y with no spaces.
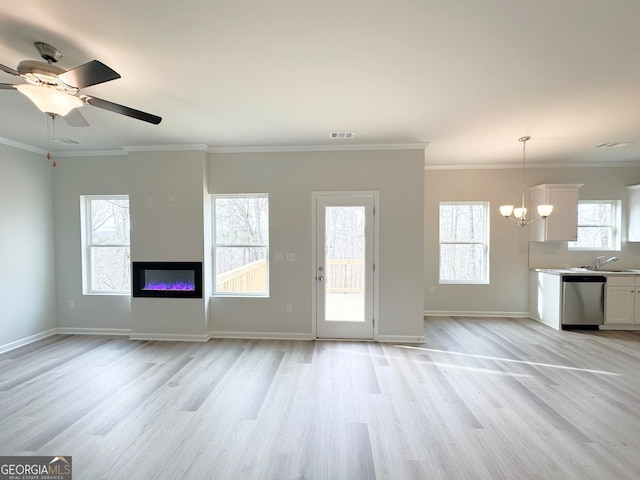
{"x":107,"y":255}
{"x":598,"y":225}
{"x":241,"y":239}
{"x":464,"y":246}
{"x":345,"y":232}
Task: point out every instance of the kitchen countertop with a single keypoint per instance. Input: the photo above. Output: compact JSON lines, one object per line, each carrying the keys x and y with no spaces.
{"x":587,"y":271}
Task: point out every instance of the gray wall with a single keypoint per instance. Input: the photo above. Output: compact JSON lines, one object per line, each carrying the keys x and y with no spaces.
{"x":37,"y":197}
{"x":511,"y":253}
{"x":73,"y":177}
{"x":27,"y":286}
{"x":183,"y":232}
{"x":290,"y":179}
{"x":168,"y":232}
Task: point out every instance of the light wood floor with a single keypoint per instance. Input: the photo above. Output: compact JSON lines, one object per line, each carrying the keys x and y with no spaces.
{"x":480,"y":399}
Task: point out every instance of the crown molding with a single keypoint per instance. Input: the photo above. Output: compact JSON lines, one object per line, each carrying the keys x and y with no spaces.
{"x":166,"y":148}
{"x":319,"y":148}
{"x":22,"y":146}
{"x":90,"y":153}
{"x":532,"y":166}
{"x":205,"y":148}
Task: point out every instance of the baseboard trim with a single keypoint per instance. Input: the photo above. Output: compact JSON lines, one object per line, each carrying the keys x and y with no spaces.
{"x":27,"y":340}
{"x":260,"y":335}
{"x":620,"y":327}
{"x":400,"y":338}
{"x":172,"y":337}
{"x":453,"y":313}
{"x":93,"y":331}
{"x":169,"y":337}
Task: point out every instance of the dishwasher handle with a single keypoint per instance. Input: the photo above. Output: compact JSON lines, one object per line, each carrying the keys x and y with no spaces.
{"x":584,"y":279}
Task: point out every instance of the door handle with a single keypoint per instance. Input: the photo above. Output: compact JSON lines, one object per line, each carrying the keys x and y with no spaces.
{"x":320,"y":279}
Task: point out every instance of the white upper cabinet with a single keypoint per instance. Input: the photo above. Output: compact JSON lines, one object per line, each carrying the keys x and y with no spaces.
{"x":633,"y":194}
{"x":562,"y":224}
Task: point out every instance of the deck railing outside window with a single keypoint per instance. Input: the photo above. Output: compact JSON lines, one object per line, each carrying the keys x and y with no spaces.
{"x":343,"y":277}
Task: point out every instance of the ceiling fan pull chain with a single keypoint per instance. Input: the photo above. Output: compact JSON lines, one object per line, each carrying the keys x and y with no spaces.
{"x":49,"y":138}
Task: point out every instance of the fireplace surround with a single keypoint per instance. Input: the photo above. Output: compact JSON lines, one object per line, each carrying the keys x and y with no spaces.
{"x":167,"y":279}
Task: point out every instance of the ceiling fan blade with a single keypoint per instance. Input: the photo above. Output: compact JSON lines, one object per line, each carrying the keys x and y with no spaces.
{"x":91,"y":73}
{"x":7,"y":86}
{"x":121,"y":109}
{"x":9,"y":70}
{"x":75,"y":119}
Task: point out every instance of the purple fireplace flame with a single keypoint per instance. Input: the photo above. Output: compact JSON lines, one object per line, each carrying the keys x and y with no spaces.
{"x":167,"y":279}
{"x":170,"y":287}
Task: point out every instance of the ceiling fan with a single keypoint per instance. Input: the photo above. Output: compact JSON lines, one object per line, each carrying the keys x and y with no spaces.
{"x":56,"y":91}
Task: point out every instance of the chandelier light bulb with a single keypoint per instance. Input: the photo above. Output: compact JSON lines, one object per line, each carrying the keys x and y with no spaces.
{"x":545,"y":210}
{"x":520,"y":213}
{"x":506,"y":210}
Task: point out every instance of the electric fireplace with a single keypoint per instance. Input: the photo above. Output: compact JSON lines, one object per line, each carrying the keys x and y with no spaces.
{"x":167,"y":279}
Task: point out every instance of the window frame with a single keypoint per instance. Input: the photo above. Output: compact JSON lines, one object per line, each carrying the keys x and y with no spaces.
{"x":615,"y":227}
{"x":88,"y":245}
{"x":484,"y":242}
{"x":216,"y":244}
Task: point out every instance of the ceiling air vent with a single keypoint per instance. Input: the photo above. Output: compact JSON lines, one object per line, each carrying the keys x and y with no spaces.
{"x":66,"y":141}
{"x":612,"y":144}
{"x":341,"y":135}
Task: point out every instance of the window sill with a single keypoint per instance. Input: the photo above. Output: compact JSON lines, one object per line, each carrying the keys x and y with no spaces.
{"x":107,"y":294}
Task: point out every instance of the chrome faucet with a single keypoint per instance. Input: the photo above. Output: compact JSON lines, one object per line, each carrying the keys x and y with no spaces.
{"x":600,"y":262}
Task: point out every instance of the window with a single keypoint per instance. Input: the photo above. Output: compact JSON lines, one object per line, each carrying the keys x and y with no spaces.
{"x":241,"y":244}
{"x":106,"y":257}
{"x":598,"y":225}
{"x":464,"y":242}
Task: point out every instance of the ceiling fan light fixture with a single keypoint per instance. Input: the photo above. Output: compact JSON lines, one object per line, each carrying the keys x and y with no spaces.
{"x":49,"y":99}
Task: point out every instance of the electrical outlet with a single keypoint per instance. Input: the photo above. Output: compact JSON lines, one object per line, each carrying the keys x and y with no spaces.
{"x":432,"y":290}
{"x":72,"y":304}
{"x":289,"y":307}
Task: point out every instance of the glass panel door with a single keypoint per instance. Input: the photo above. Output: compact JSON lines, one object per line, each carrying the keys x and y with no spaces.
{"x":345,"y":248}
{"x":344,"y":266}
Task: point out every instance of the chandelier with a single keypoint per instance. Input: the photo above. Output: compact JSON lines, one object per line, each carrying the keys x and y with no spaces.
{"x":520,"y":213}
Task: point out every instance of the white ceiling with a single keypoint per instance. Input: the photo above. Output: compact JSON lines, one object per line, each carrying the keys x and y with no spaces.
{"x":468,"y":77}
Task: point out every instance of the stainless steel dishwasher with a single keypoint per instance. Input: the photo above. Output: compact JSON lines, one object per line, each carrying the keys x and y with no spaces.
{"x":583,"y":301}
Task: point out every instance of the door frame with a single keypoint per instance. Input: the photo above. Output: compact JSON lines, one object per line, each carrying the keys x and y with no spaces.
{"x":314,"y":260}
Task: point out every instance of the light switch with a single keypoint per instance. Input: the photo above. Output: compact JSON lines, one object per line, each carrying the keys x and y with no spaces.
{"x":278,"y":257}
{"x":291,"y":257}
{"x":172,"y":202}
{"x":149,"y":202}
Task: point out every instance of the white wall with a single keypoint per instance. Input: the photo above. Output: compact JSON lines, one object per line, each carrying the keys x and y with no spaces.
{"x":508,"y":291}
{"x":27,"y":292}
{"x":73,"y":177}
{"x":290,"y":179}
